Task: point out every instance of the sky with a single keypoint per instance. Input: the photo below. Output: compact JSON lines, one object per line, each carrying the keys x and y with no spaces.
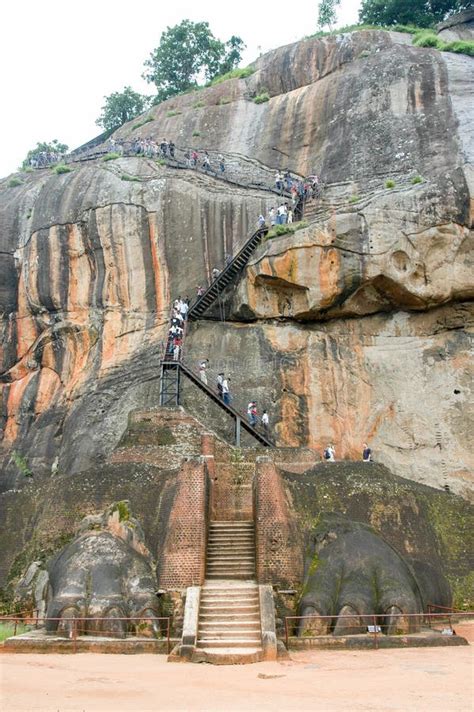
{"x":59,"y":59}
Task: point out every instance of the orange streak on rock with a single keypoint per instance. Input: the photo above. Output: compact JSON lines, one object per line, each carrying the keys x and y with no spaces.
{"x":25,"y":325}
{"x":48,"y":387}
{"x":79,"y":276}
{"x":157,"y":271}
{"x":329,"y":270}
{"x":15,"y":396}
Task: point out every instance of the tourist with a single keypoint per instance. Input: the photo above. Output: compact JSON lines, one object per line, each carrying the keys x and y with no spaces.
{"x":206,"y":164}
{"x":265,"y":422}
{"x":252,"y":413}
{"x":194,"y":159}
{"x":171,"y":148}
{"x":220,"y":381}
{"x":272,"y":216}
{"x":366,"y":453}
{"x":330,"y":453}
{"x":282,"y":214}
{"x":220,"y":159}
{"x":200,"y":291}
{"x":290,"y":216}
{"x":226,"y":391}
{"x":183,"y":309}
{"x":202,"y":370}
{"x":215,"y":273}
{"x":261,"y":221}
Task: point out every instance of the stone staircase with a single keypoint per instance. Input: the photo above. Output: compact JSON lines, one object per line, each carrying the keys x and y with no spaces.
{"x":231,"y":551}
{"x":229,"y":627}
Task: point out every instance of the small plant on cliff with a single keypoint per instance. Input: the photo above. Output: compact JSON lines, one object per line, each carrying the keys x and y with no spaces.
{"x":225,"y":100}
{"x":234,"y":74}
{"x":132,"y":179}
{"x":123,"y":510}
{"x":262,"y":97}
{"x":199,"y":105}
{"x":416,"y":179}
{"x":144,"y":121}
{"x":14,"y":182}
{"x":390,"y":183}
{"x":354,"y":199}
{"x":173,"y":112}
{"x":460,"y":47}
{"x":161,"y":162}
{"x":61,"y":168}
{"x":196,"y":133}
{"x":428,"y":39}
{"x":111,"y":156}
{"x":21,"y":463}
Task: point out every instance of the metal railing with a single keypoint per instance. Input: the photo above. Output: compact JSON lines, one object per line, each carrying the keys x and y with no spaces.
{"x":374,"y":622}
{"x":78,"y":628}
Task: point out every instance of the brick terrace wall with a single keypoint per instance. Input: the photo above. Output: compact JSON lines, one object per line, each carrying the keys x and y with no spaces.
{"x":277,"y":541}
{"x":184,"y":553}
{"x":232,"y":497}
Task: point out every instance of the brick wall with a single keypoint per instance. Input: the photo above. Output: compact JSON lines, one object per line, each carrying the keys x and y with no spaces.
{"x":277,"y":541}
{"x":184,"y":553}
{"x":232,"y":497}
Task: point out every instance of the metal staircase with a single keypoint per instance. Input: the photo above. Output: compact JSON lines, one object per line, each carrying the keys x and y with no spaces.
{"x":227,"y":275}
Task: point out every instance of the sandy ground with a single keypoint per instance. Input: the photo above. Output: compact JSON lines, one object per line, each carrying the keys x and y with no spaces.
{"x":416,"y":680}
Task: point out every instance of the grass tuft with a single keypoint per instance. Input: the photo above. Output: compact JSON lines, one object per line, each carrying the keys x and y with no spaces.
{"x":61,"y":168}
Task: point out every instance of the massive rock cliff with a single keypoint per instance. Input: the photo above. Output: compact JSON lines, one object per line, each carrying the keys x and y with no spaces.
{"x":357,"y":328}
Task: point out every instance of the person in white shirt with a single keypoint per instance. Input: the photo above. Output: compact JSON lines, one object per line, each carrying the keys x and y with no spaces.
{"x":202,"y":370}
{"x":226,"y":391}
{"x":265,"y":421}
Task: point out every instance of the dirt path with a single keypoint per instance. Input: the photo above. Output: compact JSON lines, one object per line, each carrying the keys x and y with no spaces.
{"x":415,"y":680}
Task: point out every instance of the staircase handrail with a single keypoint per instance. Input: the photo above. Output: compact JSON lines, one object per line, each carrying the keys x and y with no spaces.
{"x":220,"y":277}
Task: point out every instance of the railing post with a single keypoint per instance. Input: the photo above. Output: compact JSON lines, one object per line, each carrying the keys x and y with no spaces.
{"x":74,"y":634}
{"x":286,"y":632}
{"x":237,"y":431}
{"x":376,"y":642}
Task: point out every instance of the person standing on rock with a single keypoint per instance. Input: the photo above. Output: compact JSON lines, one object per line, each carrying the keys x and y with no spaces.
{"x":366,"y":453}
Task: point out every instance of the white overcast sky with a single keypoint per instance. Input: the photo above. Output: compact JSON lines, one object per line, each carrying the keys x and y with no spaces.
{"x":59,"y":59}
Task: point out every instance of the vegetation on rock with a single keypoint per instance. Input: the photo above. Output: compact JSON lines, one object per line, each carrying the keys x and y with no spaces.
{"x":187,"y":51}
{"x":262,"y":97}
{"x":120,"y":107}
{"x":52,"y":147}
{"x":327,"y":13}
{"x":419,"y":12}
{"x":14,"y":182}
{"x":61,"y":168}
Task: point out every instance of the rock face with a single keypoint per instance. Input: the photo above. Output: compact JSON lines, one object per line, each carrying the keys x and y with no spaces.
{"x":355,"y":329}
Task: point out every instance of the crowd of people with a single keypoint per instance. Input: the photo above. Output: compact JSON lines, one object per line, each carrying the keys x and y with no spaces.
{"x":45,"y":158}
{"x":176,"y":331}
{"x":305,"y":189}
{"x":143,"y":147}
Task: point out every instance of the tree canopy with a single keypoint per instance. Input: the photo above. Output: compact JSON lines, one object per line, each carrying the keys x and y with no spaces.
{"x":54,"y":147}
{"x":327,"y":13}
{"x":186,"y":52}
{"x":422,"y":13}
{"x":120,"y":107}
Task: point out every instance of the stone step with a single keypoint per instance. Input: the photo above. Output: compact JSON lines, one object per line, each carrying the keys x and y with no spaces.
{"x":223,"y":601}
{"x":227,"y":626}
{"x":223,"y":617}
{"x":230,"y":655}
{"x":230,"y":558}
{"x":231,"y":541}
{"x":231,"y":523}
{"x":253,"y":636}
{"x":228,"y":567}
{"x":226,"y":643}
{"x":220,"y":576}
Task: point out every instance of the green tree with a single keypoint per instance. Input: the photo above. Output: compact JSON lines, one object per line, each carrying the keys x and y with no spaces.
{"x":120,"y":107}
{"x":185,"y":52}
{"x":51,"y":148}
{"x":327,"y":13}
{"x":422,"y":13}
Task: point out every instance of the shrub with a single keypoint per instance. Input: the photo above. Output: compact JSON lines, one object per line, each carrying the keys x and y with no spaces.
{"x":161,"y":162}
{"x":124,"y":176}
{"x":21,"y":463}
{"x":61,"y":168}
{"x":111,"y":156}
{"x":196,"y":133}
{"x":13,"y":182}
{"x":428,"y":39}
{"x":262,"y":98}
{"x":460,"y":47}
{"x":144,"y":121}
{"x":27,"y":169}
{"x":225,"y":100}
{"x":390,"y":183}
{"x":416,"y":179}
{"x":287,"y":229}
{"x":173,"y":112}
{"x":354,"y":199}
{"x":234,"y":74}
{"x":199,"y":104}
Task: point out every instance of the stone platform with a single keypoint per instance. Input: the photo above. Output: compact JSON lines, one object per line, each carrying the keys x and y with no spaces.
{"x":423,"y":639}
{"x":38,"y":641}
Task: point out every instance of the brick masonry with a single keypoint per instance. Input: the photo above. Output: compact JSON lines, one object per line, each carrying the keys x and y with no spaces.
{"x":183,"y":559}
{"x":277,"y":540}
